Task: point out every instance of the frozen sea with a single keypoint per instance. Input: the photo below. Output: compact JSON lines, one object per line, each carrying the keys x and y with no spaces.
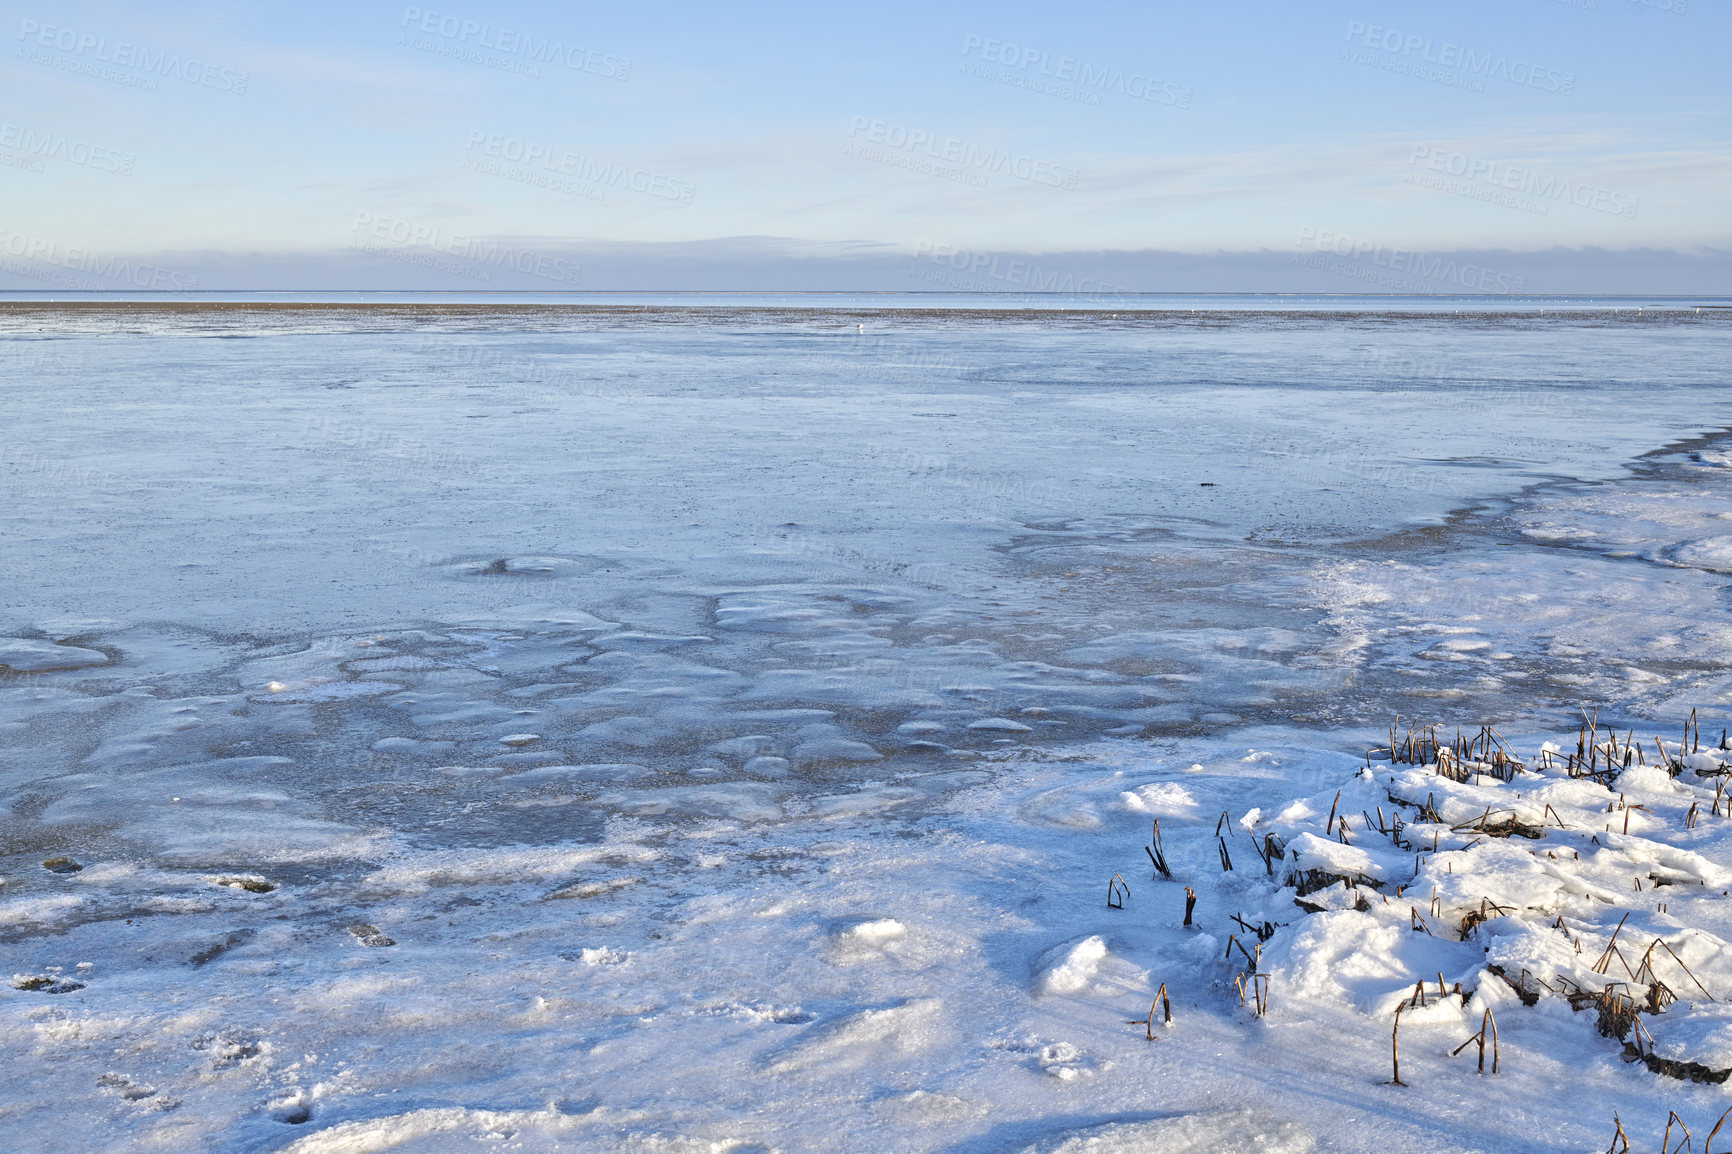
{"x":710,"y":723}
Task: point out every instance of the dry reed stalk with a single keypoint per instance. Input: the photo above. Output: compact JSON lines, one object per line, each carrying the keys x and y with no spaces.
{"x":1263,"y":930}
{"x":1642,"y":1034}
{"x":1606,"y":958}
{"x":1160,"y":1003}
{"x":1395,"y":1047}
{"x":1157,"y":853}
{"x":1617,"y":1012}
{"x":1666,"y":1141}
{"x":1226,"y":859}
{"x":1190,"y":903}
{"x":1267,"y":852}
{"x":1618,"y":1137}
{"x":1487,"y":1023}
{"x":1627,"y":811}
{"x":1710,"y":1142}
{"x":1116,"y":888}
{"x":1663,"y":944}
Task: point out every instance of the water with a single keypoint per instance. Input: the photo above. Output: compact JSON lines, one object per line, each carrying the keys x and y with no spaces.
{"x":417,"y":615}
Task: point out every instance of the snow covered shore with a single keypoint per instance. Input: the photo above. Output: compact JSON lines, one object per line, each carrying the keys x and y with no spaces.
{"x":1455,"y":882}
{"x":744,"y":983}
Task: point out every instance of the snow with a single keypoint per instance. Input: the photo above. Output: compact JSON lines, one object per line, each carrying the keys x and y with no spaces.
{"x":1075,"y":967}
{"x":27,"y":656}
{"x":737,"y":757}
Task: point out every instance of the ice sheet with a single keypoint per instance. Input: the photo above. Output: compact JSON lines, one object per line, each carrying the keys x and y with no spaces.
{"x":637,"y":731}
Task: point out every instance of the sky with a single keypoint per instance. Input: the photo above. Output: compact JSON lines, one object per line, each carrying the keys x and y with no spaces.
{"x":471,"y":145}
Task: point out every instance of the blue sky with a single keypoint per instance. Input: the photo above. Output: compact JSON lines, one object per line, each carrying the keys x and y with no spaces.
{"x":311,"y":129}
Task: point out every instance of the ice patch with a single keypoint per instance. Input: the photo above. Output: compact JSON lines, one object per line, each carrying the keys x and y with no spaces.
{"x":411,"y":745}
{"x":742,"y":801}
{"x":1000,"y":724}
{"x":1240,"y":1132}
{"x":834,"y":749}
{"x":1711,"y":553}
{"x":599,"y":771}
{"x":483,"y":1128}
{"x":1066,"y":1062}
{"x":22,"y":655}
{"x":869,"y":1036}
{"x":44,"y":911}
{"x":438,"y":869}
{"x":287,"y":693}
{"x":380,"y":664}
